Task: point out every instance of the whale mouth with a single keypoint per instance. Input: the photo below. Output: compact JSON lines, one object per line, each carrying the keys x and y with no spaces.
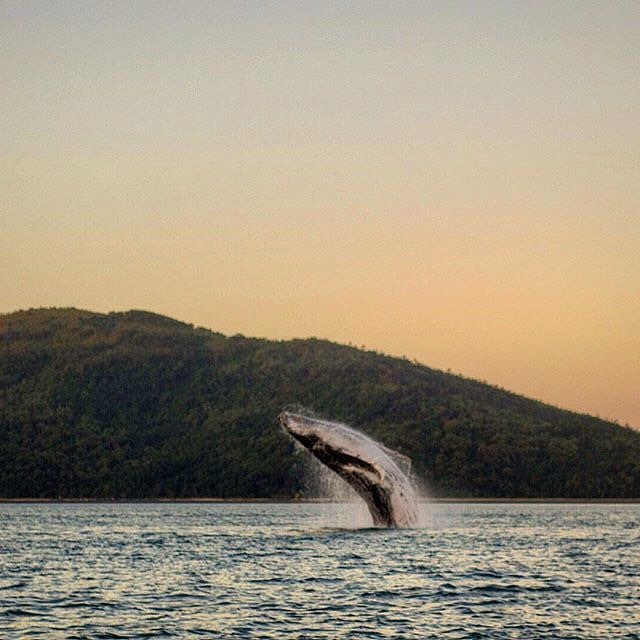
{"x":294,"y":426}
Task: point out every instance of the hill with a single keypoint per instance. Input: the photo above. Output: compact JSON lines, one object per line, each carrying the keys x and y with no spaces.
{"x":135,"y":405}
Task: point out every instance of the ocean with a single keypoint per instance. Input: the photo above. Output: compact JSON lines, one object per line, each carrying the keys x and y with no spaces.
{"x":298,"y":570}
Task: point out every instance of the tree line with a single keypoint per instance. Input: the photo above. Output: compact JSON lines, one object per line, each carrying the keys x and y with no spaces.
{"x":137,"y":405}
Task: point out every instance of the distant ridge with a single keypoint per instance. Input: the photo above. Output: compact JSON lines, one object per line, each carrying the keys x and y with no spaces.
{"x":137,"y":405}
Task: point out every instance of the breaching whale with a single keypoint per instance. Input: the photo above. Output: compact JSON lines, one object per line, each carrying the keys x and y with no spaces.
{"x":365,"y":464}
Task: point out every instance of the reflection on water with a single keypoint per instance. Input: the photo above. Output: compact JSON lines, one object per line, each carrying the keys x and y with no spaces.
{"x":295,"y":570}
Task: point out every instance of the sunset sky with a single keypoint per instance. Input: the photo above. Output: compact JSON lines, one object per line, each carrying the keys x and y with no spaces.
{"x":457,"y":182}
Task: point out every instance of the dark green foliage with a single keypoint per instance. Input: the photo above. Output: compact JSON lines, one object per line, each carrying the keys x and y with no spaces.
{"x":135,"y":405}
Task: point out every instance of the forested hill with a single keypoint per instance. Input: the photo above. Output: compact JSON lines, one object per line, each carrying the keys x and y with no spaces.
{"x":135,"y":405}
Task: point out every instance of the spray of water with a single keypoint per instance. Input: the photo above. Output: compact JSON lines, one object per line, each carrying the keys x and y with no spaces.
{"x":341,"y":505}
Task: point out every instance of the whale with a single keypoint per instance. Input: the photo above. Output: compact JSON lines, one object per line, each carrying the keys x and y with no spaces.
{"x":368,"y":466}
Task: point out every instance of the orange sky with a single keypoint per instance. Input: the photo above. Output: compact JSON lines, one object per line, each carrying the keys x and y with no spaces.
{"x":454,"y":182}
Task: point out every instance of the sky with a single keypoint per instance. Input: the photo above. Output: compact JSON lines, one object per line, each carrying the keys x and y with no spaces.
{"x":454,"y":182}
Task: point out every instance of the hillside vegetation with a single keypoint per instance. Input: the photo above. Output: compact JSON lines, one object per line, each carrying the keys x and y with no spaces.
{"x":136,"y":405}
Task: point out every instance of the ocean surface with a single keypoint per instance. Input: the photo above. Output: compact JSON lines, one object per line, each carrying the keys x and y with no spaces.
{"x":317,"y":571}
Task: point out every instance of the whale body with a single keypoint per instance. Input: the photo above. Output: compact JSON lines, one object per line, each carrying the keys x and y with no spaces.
{"x":365,"y":464}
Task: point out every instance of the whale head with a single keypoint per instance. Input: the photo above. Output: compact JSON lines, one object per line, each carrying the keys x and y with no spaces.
{"x":334,"y":444}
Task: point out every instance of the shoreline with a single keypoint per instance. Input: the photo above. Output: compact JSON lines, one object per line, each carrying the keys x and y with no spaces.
{"x":312,"y":501}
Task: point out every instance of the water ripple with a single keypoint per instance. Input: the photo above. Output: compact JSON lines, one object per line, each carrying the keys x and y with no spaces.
{"x":271,"y":571}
